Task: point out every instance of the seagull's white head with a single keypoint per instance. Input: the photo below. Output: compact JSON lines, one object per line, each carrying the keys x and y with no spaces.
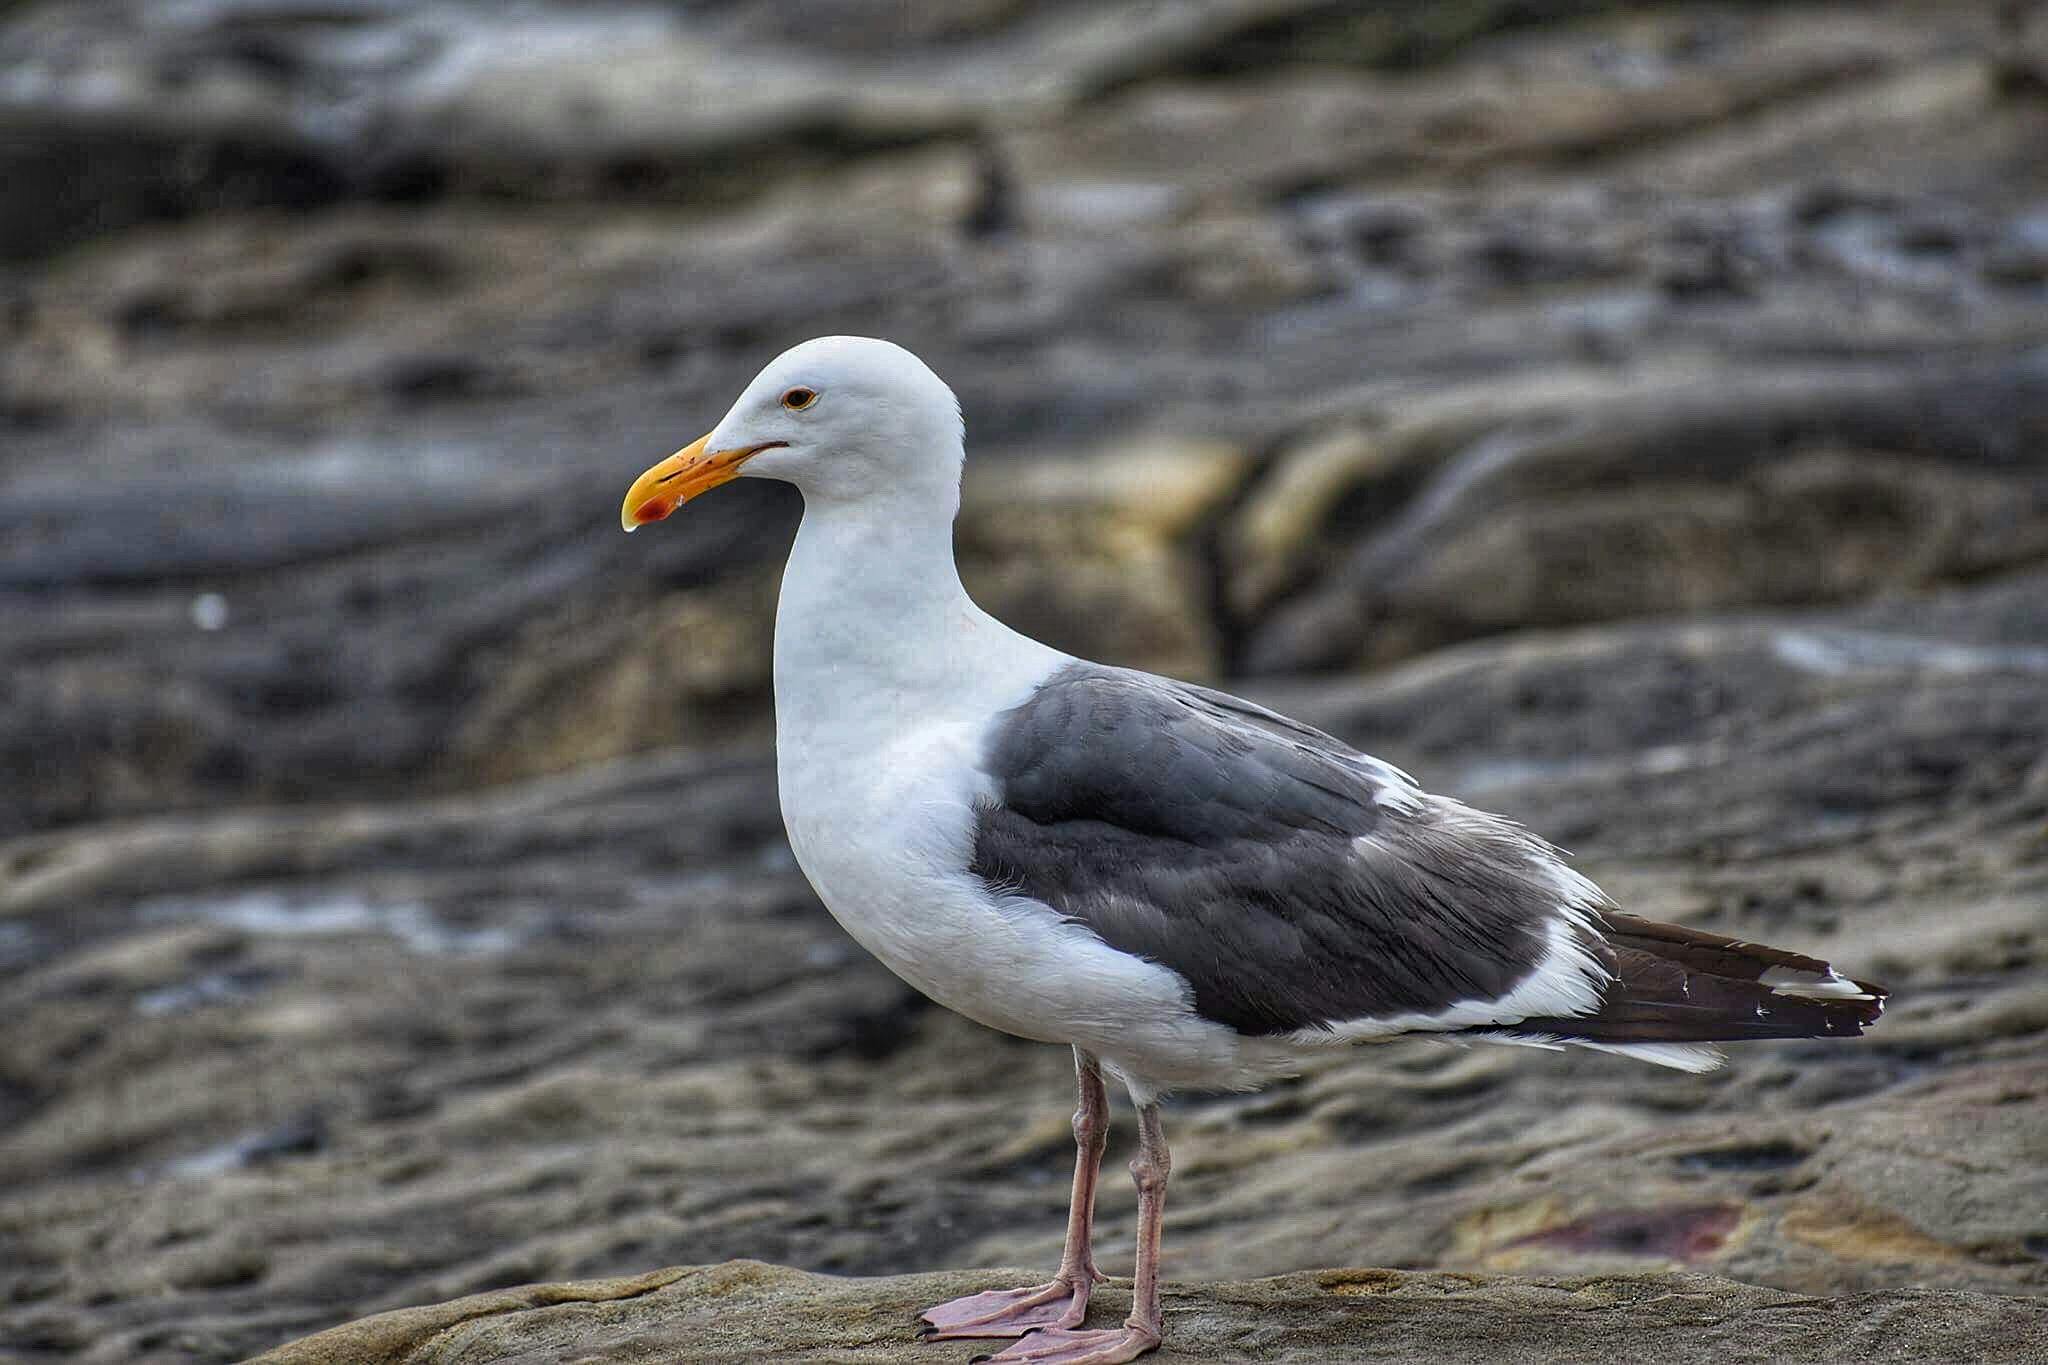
{"x":842,"y":418}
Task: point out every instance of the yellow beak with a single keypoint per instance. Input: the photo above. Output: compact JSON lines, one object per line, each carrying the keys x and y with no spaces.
{"x":682,"y":476}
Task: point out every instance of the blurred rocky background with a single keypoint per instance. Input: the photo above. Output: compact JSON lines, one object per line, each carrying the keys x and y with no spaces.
{"x":1632,"y":417}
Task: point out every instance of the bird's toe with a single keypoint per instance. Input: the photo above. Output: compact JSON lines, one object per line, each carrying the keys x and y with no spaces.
{"x":1064,"y":1346}
{"x":1006,"y":1312}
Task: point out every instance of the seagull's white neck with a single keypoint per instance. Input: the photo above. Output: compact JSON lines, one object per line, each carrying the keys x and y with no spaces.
{"x":874,"y":630}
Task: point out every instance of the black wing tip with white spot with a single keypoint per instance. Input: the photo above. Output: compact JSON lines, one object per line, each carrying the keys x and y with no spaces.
{"x":1676,"y":990}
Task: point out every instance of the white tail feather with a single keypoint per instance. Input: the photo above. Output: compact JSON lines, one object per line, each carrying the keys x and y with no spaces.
{"x":1693,"y":1057}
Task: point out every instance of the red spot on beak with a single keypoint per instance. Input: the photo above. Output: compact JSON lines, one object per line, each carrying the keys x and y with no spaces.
{"x":654,"y":510}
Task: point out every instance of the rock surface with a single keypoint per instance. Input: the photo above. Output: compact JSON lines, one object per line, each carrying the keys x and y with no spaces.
{"x":744,"y":1310}
{"x":1634,"y":424}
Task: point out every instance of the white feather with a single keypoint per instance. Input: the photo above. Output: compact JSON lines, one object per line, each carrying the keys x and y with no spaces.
{"x":1694,"y":1057}
{"x":1813,"y":985}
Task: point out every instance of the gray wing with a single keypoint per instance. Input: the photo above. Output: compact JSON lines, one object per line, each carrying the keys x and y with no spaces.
{"x":1292,"y":881}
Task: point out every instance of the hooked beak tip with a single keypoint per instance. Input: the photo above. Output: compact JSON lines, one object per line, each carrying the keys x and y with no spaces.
{"x":654,"y":509}
{"x":666,"y":486}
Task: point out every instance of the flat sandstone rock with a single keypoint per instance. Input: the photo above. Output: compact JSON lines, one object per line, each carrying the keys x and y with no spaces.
{"x":745,"y":1310}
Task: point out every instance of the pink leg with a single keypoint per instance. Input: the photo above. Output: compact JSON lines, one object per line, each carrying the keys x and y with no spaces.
{"x":1062,"y":1345}
{"x":1064,"y":1301}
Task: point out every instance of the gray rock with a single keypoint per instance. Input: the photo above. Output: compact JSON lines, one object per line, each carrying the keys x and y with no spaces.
{"x":1562,"y":503}
{"x":226,"y":106}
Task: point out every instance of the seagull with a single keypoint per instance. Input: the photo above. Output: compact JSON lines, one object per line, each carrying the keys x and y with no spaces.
{"x":1189,"y":890}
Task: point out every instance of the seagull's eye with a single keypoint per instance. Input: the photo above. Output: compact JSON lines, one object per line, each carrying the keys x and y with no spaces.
{"x":796,"y":400}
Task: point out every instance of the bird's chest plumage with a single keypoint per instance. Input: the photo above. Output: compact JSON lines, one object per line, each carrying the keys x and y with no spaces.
{"x":884,"y":829}
{"x":874,"y":815}
{"x":885,"y":833}
{"x":878,"y":738}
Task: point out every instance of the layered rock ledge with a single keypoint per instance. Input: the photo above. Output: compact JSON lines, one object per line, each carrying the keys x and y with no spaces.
{"x":745,"y":1310}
